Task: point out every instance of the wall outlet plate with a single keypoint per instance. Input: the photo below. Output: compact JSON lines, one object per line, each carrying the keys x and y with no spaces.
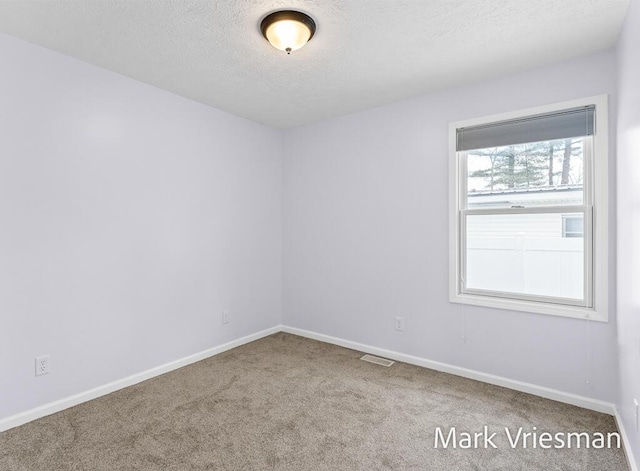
{"x":225,"y":317}
{"x":400,"y":324}
{"x":43,"y":365}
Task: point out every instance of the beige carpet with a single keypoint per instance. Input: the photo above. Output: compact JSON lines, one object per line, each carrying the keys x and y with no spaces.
{"x":289,"y":403}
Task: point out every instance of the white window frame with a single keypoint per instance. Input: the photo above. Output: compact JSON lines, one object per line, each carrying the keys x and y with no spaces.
{"x":595,"y":207}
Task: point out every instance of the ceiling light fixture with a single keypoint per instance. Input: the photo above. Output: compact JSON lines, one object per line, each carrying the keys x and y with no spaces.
{"x":288,"y":30}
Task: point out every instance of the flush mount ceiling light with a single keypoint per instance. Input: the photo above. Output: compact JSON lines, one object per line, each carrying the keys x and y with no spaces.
{"x":288,"y":30}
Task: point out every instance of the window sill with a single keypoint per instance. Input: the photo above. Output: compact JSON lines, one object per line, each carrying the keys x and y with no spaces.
{"x":530,"y":306}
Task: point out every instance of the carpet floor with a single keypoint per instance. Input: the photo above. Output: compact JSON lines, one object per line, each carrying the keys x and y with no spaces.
{"x":290,"y":403}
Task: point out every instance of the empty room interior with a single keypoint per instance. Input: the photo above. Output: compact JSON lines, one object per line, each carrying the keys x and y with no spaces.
{"x":320,"y":235}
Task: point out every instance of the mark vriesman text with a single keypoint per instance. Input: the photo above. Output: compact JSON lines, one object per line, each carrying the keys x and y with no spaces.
{"x":519,"y":438}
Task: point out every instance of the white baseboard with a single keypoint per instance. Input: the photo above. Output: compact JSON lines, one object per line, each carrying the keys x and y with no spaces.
{"x":57,"y":406}
{"x":560,"y":396}
{"x":625,"y":442}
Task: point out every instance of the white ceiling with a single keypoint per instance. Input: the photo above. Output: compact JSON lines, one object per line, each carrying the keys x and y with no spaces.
{"x":365,"y":52}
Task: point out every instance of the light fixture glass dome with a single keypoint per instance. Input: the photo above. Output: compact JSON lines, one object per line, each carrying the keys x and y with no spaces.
{"x":288,"y":30}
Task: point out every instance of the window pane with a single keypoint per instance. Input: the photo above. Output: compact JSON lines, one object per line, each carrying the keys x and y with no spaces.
{"x":546,"y":173}
{"x":525,"y":254}
{"x":573,"y":226}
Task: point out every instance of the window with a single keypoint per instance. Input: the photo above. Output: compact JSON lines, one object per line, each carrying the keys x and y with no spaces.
{"x":572,"y":226}
{"x":528,"y":210}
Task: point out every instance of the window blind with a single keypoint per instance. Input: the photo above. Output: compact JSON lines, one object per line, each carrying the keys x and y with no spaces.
{"x":576,"y":122}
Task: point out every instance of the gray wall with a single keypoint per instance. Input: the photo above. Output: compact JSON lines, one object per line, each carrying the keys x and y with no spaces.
{"x":629,"y":223}
{"x":130,"y":218}
{"x":366,"y":237}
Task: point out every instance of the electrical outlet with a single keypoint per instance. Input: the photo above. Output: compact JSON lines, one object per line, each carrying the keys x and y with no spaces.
{"x":225,"y":317}
{"x":635,"y":403}
{"x":43,"y":365}
{"x":400,"y":324}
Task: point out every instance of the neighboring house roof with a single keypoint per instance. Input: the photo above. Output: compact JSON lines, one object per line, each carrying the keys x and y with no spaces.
{"x":557,"y":195}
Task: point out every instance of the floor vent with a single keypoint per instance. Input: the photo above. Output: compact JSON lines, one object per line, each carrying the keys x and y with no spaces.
{"x":377,"y":360}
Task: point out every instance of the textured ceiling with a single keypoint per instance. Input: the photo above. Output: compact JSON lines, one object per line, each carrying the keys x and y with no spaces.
{"x":365,"y":53}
